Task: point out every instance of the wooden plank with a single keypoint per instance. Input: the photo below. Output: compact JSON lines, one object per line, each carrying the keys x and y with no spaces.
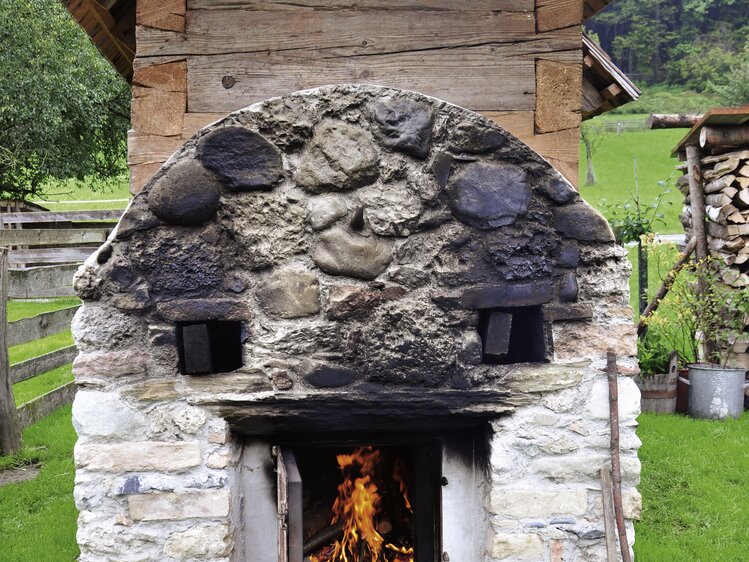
{"x":41,"y":407}
{"x":10,"y":430}
{"x":57,"y":236}
{"x":609,"y":519}
{"x":40,"y":326}
{"x":475,"y":78}
{"x":140,"y":174}
{"x":518,"y":123}
{"x":168,"y":77}
{"x":158,"y":112}
{"x":346,"y":32}
{"x":150,"y":149}
{"x":558,"y":94}
{"x":60,"y":216}
{"x":51,"y":256}
{"x":193,"y":122}
{"x":161,"y":14}
{"x":42,"y":282}
{"x":561,"y":149}
{"x":558,"y":14}
{"x":368,"y":5}
{"x":44,"y":363}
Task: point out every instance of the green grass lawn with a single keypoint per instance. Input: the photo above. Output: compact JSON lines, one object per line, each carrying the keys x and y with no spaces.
{"x":62,"y":195}
{"x":695,"y":489}
{"x":613,"y":162}
{"x":38,"y":521}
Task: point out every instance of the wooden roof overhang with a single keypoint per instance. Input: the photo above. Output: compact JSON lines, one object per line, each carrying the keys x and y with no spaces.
{"x":111,"y":26}
{"x":605,"y":86}
{"x":716,"y":117}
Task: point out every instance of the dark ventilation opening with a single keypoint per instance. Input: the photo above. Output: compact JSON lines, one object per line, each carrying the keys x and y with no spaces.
{"x":212,"y":346}
{"x":512,"y":335}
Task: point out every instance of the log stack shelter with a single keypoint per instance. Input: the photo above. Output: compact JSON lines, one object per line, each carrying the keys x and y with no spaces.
{"x":523,"y":63}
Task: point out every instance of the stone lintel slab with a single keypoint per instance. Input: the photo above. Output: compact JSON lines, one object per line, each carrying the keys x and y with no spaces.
{"x":163,"y":506}
{"x":532,"y":293}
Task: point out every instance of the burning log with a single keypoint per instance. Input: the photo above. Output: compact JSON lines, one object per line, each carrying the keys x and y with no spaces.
{"x":329,"y":534}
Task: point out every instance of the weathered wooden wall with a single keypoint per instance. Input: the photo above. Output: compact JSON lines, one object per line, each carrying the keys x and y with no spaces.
{"x":517,"y":61}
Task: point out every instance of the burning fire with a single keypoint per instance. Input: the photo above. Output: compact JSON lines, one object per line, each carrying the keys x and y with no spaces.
{"x":359,"y":508}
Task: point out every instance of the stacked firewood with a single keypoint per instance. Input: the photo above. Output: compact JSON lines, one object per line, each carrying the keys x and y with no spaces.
{"x":725,"y":183}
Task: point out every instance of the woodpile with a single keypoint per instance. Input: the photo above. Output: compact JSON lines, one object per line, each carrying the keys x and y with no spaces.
{"x":725,"y":183}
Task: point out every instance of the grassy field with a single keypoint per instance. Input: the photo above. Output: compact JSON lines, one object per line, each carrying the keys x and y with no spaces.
{"x":694,"y":489}
{"x":614,"y":163}
{"x":66,"y":195}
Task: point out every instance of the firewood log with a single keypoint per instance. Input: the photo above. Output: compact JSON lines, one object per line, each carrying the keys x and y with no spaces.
{"x":740,"y":154}
{"x":743,"y":183}
{"x":727,"y":135}
{"x":741,"y":199}
{"x":721,"y":169}
{"x":672,"y":121}
{"x":721,"y":214}
{"x":719,"y":184}
{"x":720,"y":199}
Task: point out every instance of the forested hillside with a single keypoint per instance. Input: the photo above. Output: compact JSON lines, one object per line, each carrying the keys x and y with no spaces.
{"x":700,"y":44}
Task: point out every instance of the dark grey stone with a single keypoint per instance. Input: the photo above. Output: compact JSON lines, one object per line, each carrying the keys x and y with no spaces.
{"x":496,"y":334}
{"x":569,"y":255}
{"x":582,"y":222}
{"x":137,"y":217}
{"x":196,"y":349}
{"x":441,"y":167}
{"x":282,"y":381}
{"x":174,"y":262}
{"x":530,"y":293}
{"x":593,"y":534}
{"x":568,"y":288}
{"x":325,"y":375}
{"x":489,"y":195}
{"x":338,"y":158}
{"x":131,"y":486}
{"x":476,"y":138}
{"x":289,"y":293}
{"x":104,"y":253}
{"x":242,"y":159}
{"x":404,"y":125}
{"x":559,"y":191}
{"x":187,"y":194}
{"x":339,"y":252}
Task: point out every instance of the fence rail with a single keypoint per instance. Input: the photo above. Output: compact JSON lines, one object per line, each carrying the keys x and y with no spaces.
{"x":38,"y":408}
{"x":39,"y":326}
{"x":47,"y":237}
{"x":109,"y":215}
{"x":44,"y":282}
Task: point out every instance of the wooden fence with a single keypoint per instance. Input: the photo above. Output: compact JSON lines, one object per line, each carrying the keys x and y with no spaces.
{"x":625,"y":125}
{"x":66,"y":239}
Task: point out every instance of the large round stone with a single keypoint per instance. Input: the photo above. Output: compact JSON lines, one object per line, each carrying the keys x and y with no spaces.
{"x":582,"y":222}
{"x":341,"y":253}
{"x":186,"y":195}
{"x":242,"y":159}
{"x":338,"y":158}
{"x":489,"y":195}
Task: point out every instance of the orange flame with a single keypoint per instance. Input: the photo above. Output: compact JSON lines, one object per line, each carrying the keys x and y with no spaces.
{"x":358,"y":505}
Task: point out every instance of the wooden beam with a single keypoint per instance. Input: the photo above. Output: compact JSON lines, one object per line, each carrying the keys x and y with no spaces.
{"x":724,"y":136}
{"x":42,"y":364}
{"x":42,"y":282}
{"x":150,"y":149}
{"x":161,"y":14}
{"x":50,"y":256}
{"x":158,"y":112}
{"x":525,"y":6}
{"x":60,"y":216}
{"x":39,"y":408}
{"x":558,"y":93}
{"x":558,"y":14}
{"x":10,"y":431}
{"x":52,"y":236}
{"x":40,"y":326}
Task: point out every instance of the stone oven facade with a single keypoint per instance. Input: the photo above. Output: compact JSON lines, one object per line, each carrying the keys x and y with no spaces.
{"x":351,"y":265}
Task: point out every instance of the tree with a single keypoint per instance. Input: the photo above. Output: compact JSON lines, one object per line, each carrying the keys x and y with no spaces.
{"x":64,"y":112}
{"x":591,"y":135}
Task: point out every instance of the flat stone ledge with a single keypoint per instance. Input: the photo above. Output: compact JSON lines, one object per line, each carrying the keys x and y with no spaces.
{"x":137,"y":456}
{"x":177,"y":506}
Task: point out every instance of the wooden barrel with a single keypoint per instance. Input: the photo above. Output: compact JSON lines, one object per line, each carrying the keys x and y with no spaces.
{"x":658,"y":392}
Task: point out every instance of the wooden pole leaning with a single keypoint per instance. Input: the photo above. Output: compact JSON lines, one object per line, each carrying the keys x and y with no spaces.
{"x":616,"y":470}
{"x":10,"y":433}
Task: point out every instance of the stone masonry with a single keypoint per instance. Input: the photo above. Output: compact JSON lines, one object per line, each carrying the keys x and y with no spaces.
{"x":363,"y":238}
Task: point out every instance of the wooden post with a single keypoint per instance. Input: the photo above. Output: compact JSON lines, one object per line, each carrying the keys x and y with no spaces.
{"x":697,"y":200}
{"x":616,"y":470}
{"x":10,"y":434}
{"x":609,"y":518}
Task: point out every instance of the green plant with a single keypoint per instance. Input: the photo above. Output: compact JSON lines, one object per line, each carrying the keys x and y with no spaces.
{"x":653,"y":353}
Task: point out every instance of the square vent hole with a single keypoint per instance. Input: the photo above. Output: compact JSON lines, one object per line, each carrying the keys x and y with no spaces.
{"x":512,"y":335}
{"x":211,"y":346}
